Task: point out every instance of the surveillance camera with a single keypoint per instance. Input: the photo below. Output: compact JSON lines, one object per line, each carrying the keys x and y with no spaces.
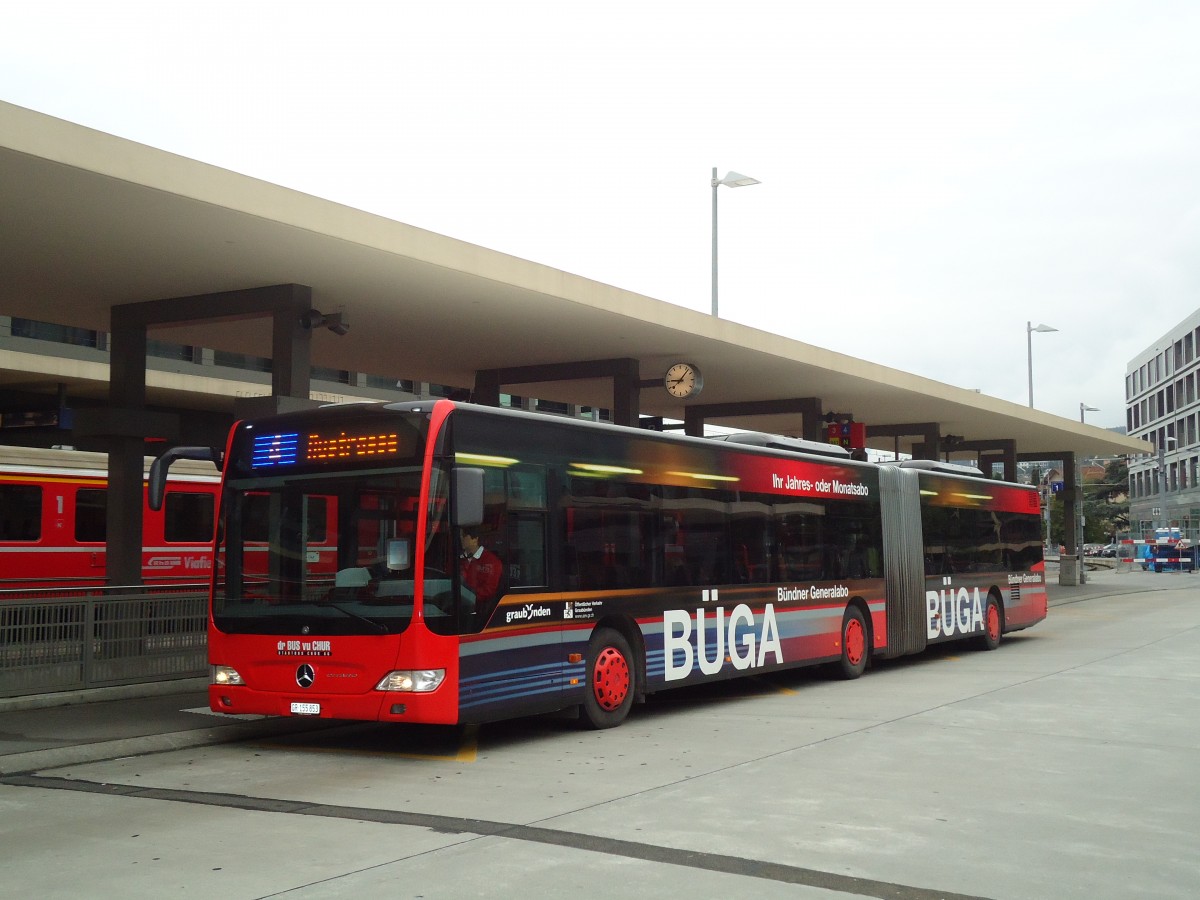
{"x":336,"y":322}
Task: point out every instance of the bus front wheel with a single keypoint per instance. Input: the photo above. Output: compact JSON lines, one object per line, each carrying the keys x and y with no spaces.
{"x":611,"y":679}
{"x":855,"y":643}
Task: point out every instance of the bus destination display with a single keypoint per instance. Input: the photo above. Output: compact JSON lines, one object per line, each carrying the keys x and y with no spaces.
{"x":290,"y":448}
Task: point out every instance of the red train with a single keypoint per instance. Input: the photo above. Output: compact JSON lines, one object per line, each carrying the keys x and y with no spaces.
{"x":53,"y":529}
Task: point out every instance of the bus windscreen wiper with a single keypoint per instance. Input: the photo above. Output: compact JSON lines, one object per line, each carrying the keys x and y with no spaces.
{"x":379,"y":626}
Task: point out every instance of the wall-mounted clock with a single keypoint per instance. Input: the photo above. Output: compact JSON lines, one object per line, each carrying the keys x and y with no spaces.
{"x":683,"y":380}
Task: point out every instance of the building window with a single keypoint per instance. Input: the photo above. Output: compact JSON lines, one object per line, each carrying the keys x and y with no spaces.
{"x":48,"y":331}
{"x":387,"y":383}
{"x":167,"y":350}
{"x":241,"y":361}
{"x":319,"y":373}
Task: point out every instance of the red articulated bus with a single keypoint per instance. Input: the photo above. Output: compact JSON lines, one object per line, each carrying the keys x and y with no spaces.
{"x":628,"y":561}
{"x":53,"y":530}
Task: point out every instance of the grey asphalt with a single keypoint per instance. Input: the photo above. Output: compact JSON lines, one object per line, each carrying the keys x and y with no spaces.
{"x":48,"y":731}
{"x":1059,"y":768}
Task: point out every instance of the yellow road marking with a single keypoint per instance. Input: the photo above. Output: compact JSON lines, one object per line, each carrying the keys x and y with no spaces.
{"x":470,"y":745}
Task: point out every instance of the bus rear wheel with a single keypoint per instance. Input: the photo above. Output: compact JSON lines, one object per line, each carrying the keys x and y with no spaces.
{"x":855,"y":644}
{"x":993,"y":625}
{"x":611,"y":679}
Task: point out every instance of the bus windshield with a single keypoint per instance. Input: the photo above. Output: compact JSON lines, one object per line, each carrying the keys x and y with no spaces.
{"x":331,"y":552}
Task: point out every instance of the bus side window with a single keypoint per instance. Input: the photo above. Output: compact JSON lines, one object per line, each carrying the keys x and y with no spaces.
{"x":514,"y":526}
{"x":751,"y":533}
{"x":527,"y":545}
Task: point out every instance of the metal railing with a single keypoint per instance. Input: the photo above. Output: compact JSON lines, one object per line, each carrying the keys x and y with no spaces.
{"x":60,"y":639}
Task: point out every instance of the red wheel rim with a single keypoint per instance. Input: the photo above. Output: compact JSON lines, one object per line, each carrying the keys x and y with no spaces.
{"x":993,"y":622}
{"x":610,"y":679}
{"x":855,"y":641}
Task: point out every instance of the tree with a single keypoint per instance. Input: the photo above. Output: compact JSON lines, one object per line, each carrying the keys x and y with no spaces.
{"x":1105,"y":507}
{"x":1115,"y":487}
{"x":1106,"y":503}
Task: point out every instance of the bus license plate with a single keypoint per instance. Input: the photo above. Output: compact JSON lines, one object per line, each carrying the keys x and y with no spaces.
{"x":306,"y":709}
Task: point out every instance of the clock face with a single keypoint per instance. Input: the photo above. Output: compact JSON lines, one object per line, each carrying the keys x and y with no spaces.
{"x":683,"y":380}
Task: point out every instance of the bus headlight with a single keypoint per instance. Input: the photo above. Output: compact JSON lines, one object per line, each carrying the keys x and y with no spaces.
{"x":226,"y":675}
{"x":413,"y":681}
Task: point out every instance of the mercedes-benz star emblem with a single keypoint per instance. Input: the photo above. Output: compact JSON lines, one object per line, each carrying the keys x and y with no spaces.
{"x":305,"y":676}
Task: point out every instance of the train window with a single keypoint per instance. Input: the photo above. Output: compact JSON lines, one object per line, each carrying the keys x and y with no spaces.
{"x":188,"y":518}
{"x":91,"y":506}
{"x":20,"y":512}
{"x":256,"y":526}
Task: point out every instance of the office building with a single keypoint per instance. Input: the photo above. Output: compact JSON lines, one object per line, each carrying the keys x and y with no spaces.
{"x":1161,"y":406}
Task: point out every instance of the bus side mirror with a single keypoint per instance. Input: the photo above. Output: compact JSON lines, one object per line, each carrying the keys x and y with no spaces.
{"x":157,"y":483}
{"x":468,"y":497}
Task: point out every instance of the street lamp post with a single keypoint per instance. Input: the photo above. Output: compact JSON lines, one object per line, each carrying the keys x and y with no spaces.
{"x":1080,"y":524}
{"x":1047,"y":492}
{"x":1030,"y":328}
{"x":733,"y":179}
{"x":1164,"y":519}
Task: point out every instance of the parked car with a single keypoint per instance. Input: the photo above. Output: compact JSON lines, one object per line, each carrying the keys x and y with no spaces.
{"x":1110,"y":550}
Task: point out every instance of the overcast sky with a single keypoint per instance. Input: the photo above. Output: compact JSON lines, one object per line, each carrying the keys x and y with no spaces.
{"x":934,"y":174}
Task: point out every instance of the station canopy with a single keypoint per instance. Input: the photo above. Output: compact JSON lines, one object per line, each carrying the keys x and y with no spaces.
{"x":90,"y":221}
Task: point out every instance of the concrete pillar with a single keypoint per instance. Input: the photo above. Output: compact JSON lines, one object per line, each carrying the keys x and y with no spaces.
{"x":127,"y":391}
{"x":1070,"y":565}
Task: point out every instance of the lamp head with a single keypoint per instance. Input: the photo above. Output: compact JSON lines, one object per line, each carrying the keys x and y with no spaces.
{"x":736,"y":179}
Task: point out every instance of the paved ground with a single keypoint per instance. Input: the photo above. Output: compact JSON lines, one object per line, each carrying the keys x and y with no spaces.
{"x":1061,"y":766}
{"x":50,"y":730}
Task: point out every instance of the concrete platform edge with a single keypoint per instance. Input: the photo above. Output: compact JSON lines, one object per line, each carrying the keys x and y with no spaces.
{"x":221,"y":733}
{"x":101,"y":694}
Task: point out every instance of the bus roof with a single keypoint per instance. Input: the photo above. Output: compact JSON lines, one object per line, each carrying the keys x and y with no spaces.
{"x":780,"y":442}
{"x":934,"y":465}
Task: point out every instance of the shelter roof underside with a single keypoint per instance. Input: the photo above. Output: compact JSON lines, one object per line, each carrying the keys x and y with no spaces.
{"x":90,"y":221}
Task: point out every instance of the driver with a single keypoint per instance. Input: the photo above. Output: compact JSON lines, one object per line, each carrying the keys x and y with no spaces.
{"x":480,"y":568}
